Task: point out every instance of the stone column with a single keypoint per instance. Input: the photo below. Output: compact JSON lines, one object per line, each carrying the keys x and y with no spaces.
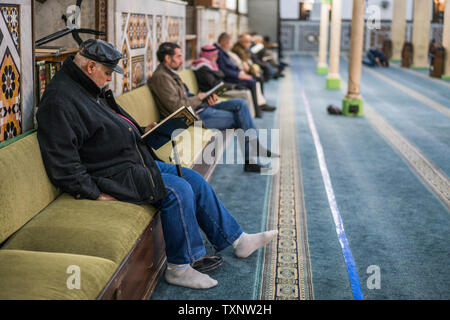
{"x":398,"y":29}
{"x":352,"y":104}
{"x":446,"y":40}
{"x":322,"y":66}
{"x":421,"y":33}
{"x":333,"y":78}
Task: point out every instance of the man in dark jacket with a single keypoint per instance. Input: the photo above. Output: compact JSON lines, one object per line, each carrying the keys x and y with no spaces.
{"x":232,"y":72}
{"x":92,"y":149}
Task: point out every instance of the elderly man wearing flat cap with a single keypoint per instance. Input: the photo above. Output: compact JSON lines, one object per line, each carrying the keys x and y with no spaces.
{"x":92,"y":149}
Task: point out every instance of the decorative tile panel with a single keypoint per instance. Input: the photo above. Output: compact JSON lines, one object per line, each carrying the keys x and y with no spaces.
{"x":10,"y":14}
{"x":159,"y":31}
{"x":126,"y":67}
{"x":137,"y":31}
{"x":140,"y":27}
{"x":137,"y":71}
{"x":10,"y":72}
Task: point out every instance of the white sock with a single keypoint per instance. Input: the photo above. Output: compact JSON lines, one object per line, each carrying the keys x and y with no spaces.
{"x":246,"y":244}
{"x":186,"y":276}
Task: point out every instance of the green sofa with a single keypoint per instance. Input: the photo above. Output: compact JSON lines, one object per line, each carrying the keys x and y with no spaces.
{"x":50,"y":242}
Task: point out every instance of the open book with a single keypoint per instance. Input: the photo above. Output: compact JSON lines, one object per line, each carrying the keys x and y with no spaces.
{"x":257,"y":48}
{"x":214,"y":90}
{"x":162,"y":133}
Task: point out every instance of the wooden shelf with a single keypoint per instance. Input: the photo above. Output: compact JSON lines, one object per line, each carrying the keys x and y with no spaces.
{"x":219,"y":4}
{"x":53,"y":57}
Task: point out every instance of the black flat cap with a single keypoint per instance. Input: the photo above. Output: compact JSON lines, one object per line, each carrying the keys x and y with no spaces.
{"x":103,"y":52}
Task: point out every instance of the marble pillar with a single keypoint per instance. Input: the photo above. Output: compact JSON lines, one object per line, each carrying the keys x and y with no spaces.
{"x":333,"y":78}
{"x":322,"y":66}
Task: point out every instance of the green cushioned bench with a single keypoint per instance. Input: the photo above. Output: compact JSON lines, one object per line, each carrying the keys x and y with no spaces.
{"x":117,"y":246}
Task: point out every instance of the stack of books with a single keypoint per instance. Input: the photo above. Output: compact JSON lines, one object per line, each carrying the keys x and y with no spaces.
{"x":45,"y":71}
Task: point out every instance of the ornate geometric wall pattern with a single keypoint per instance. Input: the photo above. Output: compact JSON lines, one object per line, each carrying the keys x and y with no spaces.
{"x":149,"y":49}
{"x":137,"y":31}
{"x":11,"y":15}
{"x":159,"y":31}
{"x":174,"y":30}
{"x":137,"y":71}
{"x":287,"y":37}
{"x":10,"y":93}
{"x":126,"y":67}
{"x":149,"y":58}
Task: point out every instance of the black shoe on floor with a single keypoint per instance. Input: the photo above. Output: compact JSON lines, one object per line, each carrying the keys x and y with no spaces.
{"x":266,"y":107}
{"x":252,"y":167}
{"x":207,"y":263}
{"x":334,"y":110}
{"x":256,"y":167}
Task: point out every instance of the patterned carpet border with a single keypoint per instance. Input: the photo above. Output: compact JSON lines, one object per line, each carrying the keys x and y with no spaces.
{"x":286,"y":270}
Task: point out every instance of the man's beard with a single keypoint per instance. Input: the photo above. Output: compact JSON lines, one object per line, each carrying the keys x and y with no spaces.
{"x":173,"y":66}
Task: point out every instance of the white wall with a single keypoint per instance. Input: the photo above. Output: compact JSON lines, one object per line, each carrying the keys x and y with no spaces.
{"x":289,"y":9}
{"x":231,"y":4}
{"x":243,"y":6}
{"x":262,"y":17}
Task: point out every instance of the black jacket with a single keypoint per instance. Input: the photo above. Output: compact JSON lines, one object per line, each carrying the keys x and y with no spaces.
{"x":208,"y":79}
{"x":87,"y":148}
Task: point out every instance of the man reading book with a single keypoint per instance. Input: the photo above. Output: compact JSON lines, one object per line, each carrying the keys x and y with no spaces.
{"x":92,"y":149}
{"x":171,"y":93}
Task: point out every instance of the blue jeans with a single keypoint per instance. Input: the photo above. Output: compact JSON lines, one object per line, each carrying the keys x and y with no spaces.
{"x":229,"y":114}
{"x":370,"y":60}
{"x":191,"y":204}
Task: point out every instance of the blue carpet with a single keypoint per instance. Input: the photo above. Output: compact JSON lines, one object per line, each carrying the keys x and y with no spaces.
{"x":424,"y":72}
{"x":436,"y":90}
{"x":390,"y":217}
{"x":425,"y":127}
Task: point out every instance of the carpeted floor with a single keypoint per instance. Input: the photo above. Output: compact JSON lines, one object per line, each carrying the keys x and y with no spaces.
{"x":392,"y":219}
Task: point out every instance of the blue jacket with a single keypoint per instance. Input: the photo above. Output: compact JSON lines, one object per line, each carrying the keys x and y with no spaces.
{"x":227,"y":66}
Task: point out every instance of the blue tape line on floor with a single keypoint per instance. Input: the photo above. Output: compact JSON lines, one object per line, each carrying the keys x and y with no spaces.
{"x":348,"y":257}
